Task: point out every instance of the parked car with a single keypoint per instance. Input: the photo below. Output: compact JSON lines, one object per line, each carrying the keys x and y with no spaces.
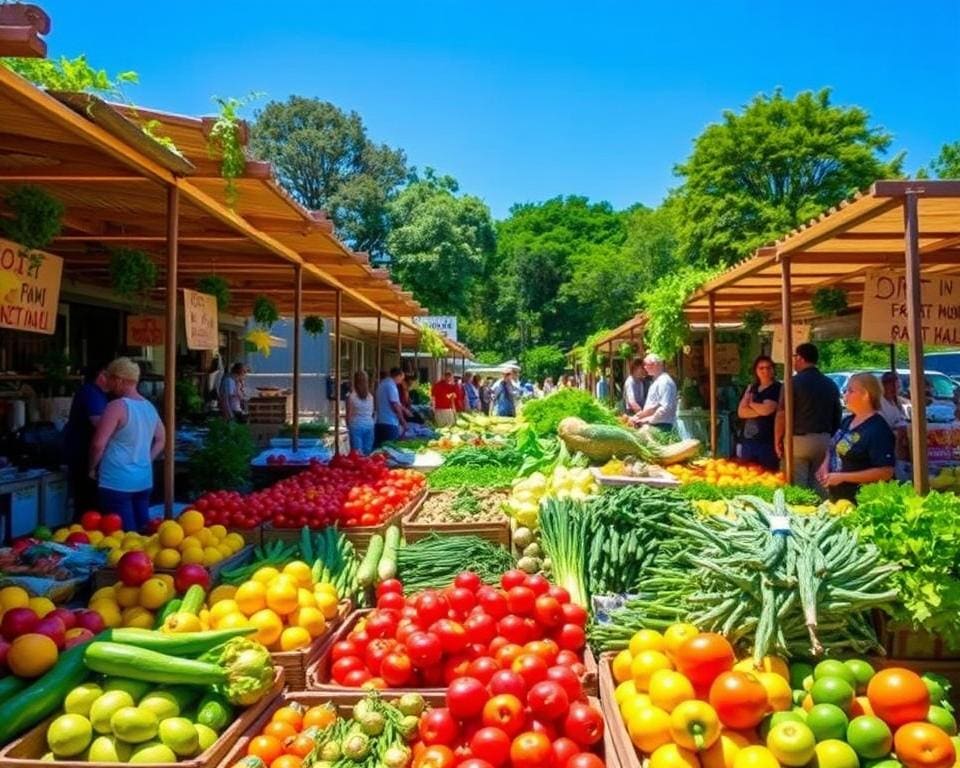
{"x":945,"y":362}
{"x":940,"y":390}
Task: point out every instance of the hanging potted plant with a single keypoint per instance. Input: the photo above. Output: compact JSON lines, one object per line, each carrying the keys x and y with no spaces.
{"x":313,"y":325}
{"x":265,"y":312}
{"x":827,"y":302}
{"x":216,"y":286}
{"x":37,"y":220}
{"x":132,"y":274}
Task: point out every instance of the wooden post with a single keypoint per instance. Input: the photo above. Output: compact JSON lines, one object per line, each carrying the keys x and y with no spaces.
{"x":786,"y":310}
{"x":918,"y":416}
{"x":399,"y":346}
{"x":336,"y":373}
{"x":376,"y":373}
{"x":712,"y":344}
{"x":170,"y":352}
{"x":297,"y":322}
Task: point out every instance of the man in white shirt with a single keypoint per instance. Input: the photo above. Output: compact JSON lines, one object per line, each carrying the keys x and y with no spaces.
{"x":635,"y":388}
{"x":660,"y":406}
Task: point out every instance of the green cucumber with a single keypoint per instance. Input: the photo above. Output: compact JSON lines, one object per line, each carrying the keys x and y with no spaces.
{"x":136,"y":688}
{"x":10,"y":685}
{"x":142,"y":664}
{"x":193,"y":600}
{"x":387,"y":567}
{"x":170,"y":608}
{"x":214,"y":711}
{"x":368,"y":568}
{"x":183,"y":644}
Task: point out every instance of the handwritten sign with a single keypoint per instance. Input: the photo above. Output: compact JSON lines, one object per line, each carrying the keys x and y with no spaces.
{"x":884,"y":317}
{"x":200,"y":320}
{"x":29,"y":288}
{"x":728,"y":358}
{"x":801,"y":335}
{"x":445,"y":325}
{"x":145,"y":331}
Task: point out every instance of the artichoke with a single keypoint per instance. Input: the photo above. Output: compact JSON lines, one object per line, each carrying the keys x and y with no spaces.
{"x":249,"y":670}
{"x":356,"y":746}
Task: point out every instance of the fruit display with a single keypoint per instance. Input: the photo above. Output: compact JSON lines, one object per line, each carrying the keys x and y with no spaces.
{"x":726,"y":472}
{"x":349,"y":491}
{"x":524,"y":503}
{"x":430,"y":638}
{"x":93,"y":528}
{"x":685,"y":700}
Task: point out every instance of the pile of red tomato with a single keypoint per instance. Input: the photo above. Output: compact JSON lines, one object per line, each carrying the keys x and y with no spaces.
{"x":521,"y":720}
{"x":524,"y":628}
{"x":349,"y":491}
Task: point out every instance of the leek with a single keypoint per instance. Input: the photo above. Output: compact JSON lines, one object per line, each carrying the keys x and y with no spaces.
{"x":563,"y":538}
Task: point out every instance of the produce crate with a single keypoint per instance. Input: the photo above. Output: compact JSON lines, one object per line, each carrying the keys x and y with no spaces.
{"x":497,"y":533}
{"x":107,"y":577}
{"x":26,"y":751}
{"x":359,"y":535}
{"x":252,"y":536}
{"x":616,"y":729}
{"x":296,"y":663}
{"x":318,"y":674}
{"x":907,"y":643}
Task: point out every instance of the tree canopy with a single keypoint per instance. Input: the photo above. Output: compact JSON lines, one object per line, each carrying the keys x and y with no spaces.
{"x":540,"y":362}
{"x":946,"y":165}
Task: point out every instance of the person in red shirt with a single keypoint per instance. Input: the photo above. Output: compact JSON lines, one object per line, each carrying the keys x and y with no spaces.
{"x":461,"y":394}
{"x":445,"y":396}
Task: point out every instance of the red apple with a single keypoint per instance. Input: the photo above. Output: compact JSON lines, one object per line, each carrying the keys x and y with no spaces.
{"x":110,"y":524}
{"x":90,"y":621}
{"x":65,"y":615}
{"x":134,"y":568}
{"x":4,"y":647}
{"x":18,"y":621}
{"x":188,"y":575}
{"x":78,"y":537}
{"x":77,"y":636}
{"x":53,"y":628}
{"x":154,"y":525}
{"x":90,"y":520}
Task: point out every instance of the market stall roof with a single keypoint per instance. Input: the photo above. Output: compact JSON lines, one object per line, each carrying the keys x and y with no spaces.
{"x":629,"y":331}
{"x":112,"y":178}
{"x":836,"y":250}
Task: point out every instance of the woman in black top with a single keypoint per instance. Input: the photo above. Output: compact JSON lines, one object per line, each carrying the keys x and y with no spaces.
{"x":758,"y":409}
{"x":862,"y":450}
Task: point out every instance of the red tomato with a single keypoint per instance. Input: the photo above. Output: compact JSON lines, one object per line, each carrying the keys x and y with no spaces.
{"x":396,"y":669}
{"x":483,"y":668}
{"x":456,"y":666}
{"x":505,"y":712}
{"x":424,"y":649}
{"x":521,"y":600}
{"x":376,"y":652}
{"x":583,"y":724}
{"x":530,"y":750}
{"x":344,"y":666}
{"x":567,"y":658}
{"x":391,"y":600}
{"x":514,"y":629}
{"x":466,"y":697}
{"x":514,"y":578}
{"x":474,"y":762}
{"x":508,"y":653}
{"x":574,"y":614}
{"x":461,"y":599}
{"x":344,"y":648}
{"x":571,"y":637}
{"x":537,"y":583}
{"x":898,"y":696}
{"x":548,"y":612}
{"x":562,"y":750}
{"x":452,"y":635}
{"x":356,"y":678}
{"x":740,"y":700}
{"x":559,"y":594}
{"x":548,"y":700}
{"x":480,"y":627}
{"x":703,"y":657}
{"x":509,"y":682}
{"x":547,"y":650}
{"x":468,"y":580}
{"x":492,"y":745}
{"x":924,"y":745}
{"x":531,"y":668}
{"x":437,"y":756}
{"x":585,"y":760}
{"x":493,"y":602}
{"x":437,"y":726}
{"x":431,"y":607}
{"x":567,"y":678}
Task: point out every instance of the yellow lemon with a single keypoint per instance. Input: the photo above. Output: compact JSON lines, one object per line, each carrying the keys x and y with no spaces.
{"x":13,"y":597}
{"x":180,"y":622}
{"x":153,"y":549}
{"x":649,"y":729}
{"x":190,"y":542}
{"x":211,"y":556}
{"x":234,"y":620}
{"x":76,"y":528}
{"x":669,"y":688}
{"x":218,"y":532}
{"x":223,"y":592}
{"x":643,"y":666}
{"x":624,"y":691}
{"x":326,"y":586}
{"x":251,"y":596}
{"x":137,"y":617}
{"x":294,"y":638}
{"x":166,"y":578}
{"x":268,"y":626}
{"x":104,"y":593}
{"x":167,"y":558}
{"x":59,"y":536}
{"x":306,"y":598}
{"x":127,"y":597}
{"x":634,"y":704}
{"x":621,"y":666}
{"x":109,"y":611}
{"x":170,"y":534}
{"x":95,"y":537}
{"x":311,"y":620}
{"x":647,"y":640}
{"x":205,"y":537}
{"x":282,"y":597}
{"x":113,"y":557}
{"x":41,"y":605}
{"x":154,"y":593}
{"x":327,"y":603}
{"x":225,"y":550}
{"x":221,"y":609}
{"x":192,"y":556}
{"x":266,"y":574}
{"x":300,"y":571}
{"x":236,"y":541}
{"x":191,"y":521}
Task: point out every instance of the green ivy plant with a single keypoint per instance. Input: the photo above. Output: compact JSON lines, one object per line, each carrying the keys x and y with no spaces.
{"x":431,"y":342}
{"x":313,"y":325}
{"x":152,"y":129}
{"x":37,"y":219}
{"x":590,"y":357}
{"x":225,"y":135}
{"x":132,"y":273}
{"x":753,"y":321}
{"x":218,"y":287}
{"x":265,"y":312}
{"x":667,"y":326}
{"x":625,"y":350}
{"x":65,"y":74}
{"x":827,"y":302}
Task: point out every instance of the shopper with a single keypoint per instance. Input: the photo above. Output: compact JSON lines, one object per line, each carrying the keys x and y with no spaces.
{"x":87,"y":407}
{"x":232,"y":394}
{"x":128,"y":438}
{"x":390,"y":420}
{"x":548,"y":386}
{"x":602,"y":389}
{"x":816,"y":416}
{"x":486,"y":395}
{"x":862,"y":450}
{"x":505,"y":394}
{"x":660,"y":404}
{"x":360,"y":415}
{"x":635,"y":388}
{"x":890,"y":406}
{"x":471,"y":392}
{"x":461,"y":394}
{"x":758,"y":409}
{"x":444,"y":394}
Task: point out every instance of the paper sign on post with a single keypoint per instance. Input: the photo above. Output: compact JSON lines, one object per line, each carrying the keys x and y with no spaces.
{"x":801,"y":335}
{"x":200,"y":320}
{"x":884,"y":316}
{"x":145,"y":331}
{"x":29,"y":288}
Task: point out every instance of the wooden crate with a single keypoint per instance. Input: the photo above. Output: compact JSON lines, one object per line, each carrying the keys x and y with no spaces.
{"x":296,"y":663}
{"x":318,"y":674}
{"x":906,"y":643}
{"x":26,"y":751}
{"x":107,"y":577}
{"x":252,"y":536}
{"x":497,"y":533}
{"x":616,"y":729}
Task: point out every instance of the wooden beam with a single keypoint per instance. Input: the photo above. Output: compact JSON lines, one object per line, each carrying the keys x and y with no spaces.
{"x":336,"y":376}
{"x":917,"y":188}
{"x":806,"y":238}
{"x":297,"y":321}
{"x":918,"y":416}
{"x":939,"y":245}
{"x":170,"y":353}
{"x":185,"y":239}
{"x":712,"y":344}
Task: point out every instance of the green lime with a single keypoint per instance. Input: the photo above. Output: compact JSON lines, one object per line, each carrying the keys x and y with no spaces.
{"x":941,"y":718}
{"x":888,"y":762}
{"x":834,"y":753}
{"x":938,"y":687}
{"x":834,"y":668}
{"x":870,"y":737}
{"x":862,"y":673}
{"x":771,"y":721}
{"x":798,"y":671}
{"x":832,"y":690}
{"x":793,"y":744}
{"x":827,"y":721}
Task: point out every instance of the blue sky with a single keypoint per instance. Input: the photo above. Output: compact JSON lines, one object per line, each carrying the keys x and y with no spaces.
{"x":523,"y":101}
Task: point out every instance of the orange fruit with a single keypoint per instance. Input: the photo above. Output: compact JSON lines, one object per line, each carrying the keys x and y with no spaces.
{"x":292,"y":717}
{"x":154,"y":593}
{"x":282,"y":597}
{"x":251,"y":596}
{"x":234,"y":620}
{"x":191,"y":521}
{"x":294,"y":638}
{"x":306,"y":598}
{"x":41,"y":605}
{"x":768,"y":664}
{"x":170,"y":534}
{"x":300,"y":571}
{"x":676,"y":634}
{"x":669,"y":688}
{"x":268,"y":626}
{"x":279,"y":730}
{"x":723,"y":751}
{"x":320,"y":716}
{"x":755,"y":757}
{"x":127,"y":597}
{"x":31,"y":655}
{"x":223,"y":608}
{"x":13,"y":597}
{"x":621,"y":666}
{"x":287,"y":761}
{"x":311,"y":620}
{"x":644,"y":665}
{"x":672,"y":756}
{"x":647,"y":640}
{"x":779,"y":693}
{"x":327,"y":603}
{"x":267,"y":748}
{"x":649,"y":728}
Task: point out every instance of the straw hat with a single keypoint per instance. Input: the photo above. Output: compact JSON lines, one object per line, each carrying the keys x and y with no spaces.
{"x":124,"y":368}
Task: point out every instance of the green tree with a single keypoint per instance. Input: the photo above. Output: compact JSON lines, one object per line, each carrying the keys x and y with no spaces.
{"x":439,"y":242}
{"x":946,"y":165}
{"x":539,"y":362}
{"x":324,"y":158}
{"x":761,"y":172}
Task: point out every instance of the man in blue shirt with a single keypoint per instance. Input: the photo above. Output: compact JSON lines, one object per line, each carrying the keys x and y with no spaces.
{"x":391,"y":421}
{"x":85,"y":411}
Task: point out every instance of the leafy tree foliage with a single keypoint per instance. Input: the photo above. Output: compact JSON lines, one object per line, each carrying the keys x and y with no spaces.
{"x":946,"y":165}
{"x":540,"y":362}
{"x":439,"y":242}
{"x":667,"y":327}
{"x":324,"y":158}
{"x":776,"y":164}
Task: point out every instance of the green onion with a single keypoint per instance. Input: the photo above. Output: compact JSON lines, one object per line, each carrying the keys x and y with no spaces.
{"x":563,"y":537}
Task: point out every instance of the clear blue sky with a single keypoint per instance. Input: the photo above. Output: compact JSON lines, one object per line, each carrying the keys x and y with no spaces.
{"x":522,"y":101}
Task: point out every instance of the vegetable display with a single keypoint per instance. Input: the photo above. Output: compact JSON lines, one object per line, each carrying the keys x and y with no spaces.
{"x":602,"y":442}
{"x":481,"y":506}
{"x":545,"y":415}
{"x":455,"y":477}
{"x":434,"y":561}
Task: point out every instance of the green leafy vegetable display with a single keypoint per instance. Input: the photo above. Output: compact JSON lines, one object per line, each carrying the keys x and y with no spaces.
{"x":544,"y":415}
{"x":471,"y":477}
{"x":704,"y":491}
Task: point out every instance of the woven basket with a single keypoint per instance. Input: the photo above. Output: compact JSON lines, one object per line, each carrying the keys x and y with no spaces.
{"x":296,"y":663}
{"x":107,"y":577}
{"x":26,"y":751}
{"x":497,"y":533}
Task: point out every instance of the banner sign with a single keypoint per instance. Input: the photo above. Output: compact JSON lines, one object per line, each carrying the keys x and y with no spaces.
{"x":145,"y":331}
{"x":445,"y":325}
{"x":728,"y":358}
{"x":200,"y":319}
{"x":885,"y":309}
{"x":29,"y":288}
{"x":801,"y":335}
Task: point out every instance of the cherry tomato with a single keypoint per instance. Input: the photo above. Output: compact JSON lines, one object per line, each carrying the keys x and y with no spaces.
{"x":530,"y":750}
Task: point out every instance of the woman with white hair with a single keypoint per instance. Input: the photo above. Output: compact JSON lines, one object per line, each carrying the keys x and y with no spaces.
{"x":129,"y":437}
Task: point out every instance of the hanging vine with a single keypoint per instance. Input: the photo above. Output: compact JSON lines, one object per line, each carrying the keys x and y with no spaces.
{"x":265,"y":312}
{"x":431,"y":342}
{"x":225,"y":137}
{"x":132,"y":273}
{"x":218,"y":287}
{"x":625,"y":350}
{"x":313,"y":325}
{"x":667,"y":327}
{"x":753,"y":321}
{"x":827,"y":302}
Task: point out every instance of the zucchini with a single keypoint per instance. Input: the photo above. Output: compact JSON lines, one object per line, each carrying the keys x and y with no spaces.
{"x":169,"y":609}
{"x":387,"y":567}
{"x":214,"y":711}
{"x":183,"y":644}
{"x":193,"y":600}
{"x":10,"y":685}
{"x":44,"y":696}
{"x":368,"y":568}
{"x":150,"y":666}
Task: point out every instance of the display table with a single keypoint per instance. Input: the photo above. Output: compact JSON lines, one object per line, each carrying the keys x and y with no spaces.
{"x":31,"y":498}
